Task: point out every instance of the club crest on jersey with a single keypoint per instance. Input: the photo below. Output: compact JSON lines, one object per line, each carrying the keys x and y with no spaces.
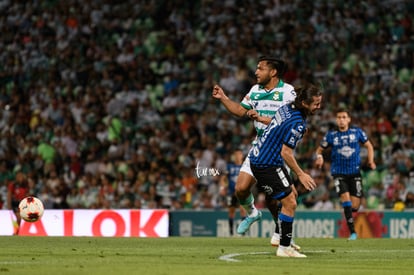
{"x":278,"y":96}
{"x":336,"y":141}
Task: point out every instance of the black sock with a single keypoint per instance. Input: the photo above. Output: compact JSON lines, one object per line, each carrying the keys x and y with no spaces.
{"x":231,"y":223}
{"x":348,"y":216}
{"x":287,"y":227}
{"x":277,"y":222}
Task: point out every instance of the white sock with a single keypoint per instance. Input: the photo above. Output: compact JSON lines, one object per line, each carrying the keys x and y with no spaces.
{"x":254,"y":212}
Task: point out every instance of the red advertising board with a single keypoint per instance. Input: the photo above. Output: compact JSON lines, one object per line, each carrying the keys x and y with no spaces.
{"x":94,"y":223}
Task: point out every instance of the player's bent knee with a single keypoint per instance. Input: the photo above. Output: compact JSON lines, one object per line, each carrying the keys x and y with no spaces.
{"x":289,"y":203}
{"x":244,"y":183}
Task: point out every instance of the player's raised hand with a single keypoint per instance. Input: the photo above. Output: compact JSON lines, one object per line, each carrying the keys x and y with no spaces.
{"x":218,"y":92}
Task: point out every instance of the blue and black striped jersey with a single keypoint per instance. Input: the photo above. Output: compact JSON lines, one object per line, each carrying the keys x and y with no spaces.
{"x":345,"y":155}
{"x":287,"y":127}
{"x":232,"y":174}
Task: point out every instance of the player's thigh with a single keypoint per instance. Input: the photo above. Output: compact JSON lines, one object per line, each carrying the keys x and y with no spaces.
{"x":342,"y":187}
{"x":244,"y":181}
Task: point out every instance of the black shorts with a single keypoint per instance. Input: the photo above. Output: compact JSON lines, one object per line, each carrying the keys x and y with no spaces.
{"x":274,"y":182}
{"x":348,"y":183}
{"x":232,"y":201}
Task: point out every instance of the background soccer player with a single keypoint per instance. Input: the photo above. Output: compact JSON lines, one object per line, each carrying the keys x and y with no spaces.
{"x":346,"y":163}
{"x":228,"y":187}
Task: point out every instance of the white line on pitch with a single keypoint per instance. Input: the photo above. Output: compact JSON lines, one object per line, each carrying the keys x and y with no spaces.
{"x":229,"y":257}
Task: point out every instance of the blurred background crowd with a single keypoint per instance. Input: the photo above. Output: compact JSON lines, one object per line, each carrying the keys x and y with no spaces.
{"x":107,"y":104}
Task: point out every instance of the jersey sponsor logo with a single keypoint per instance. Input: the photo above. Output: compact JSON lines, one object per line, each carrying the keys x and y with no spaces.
{"x":274,"y":106}
{"x":346,"y":151}
{"x":295,"y":133}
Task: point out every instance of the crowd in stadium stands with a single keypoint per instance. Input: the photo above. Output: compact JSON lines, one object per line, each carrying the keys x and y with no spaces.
{"x":107,"y":104}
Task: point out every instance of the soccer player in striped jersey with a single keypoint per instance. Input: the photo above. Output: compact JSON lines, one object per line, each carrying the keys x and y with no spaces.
{"x":259,"y":104}
{"x":344,"y":143}
{"x":228,"y":187}
{"x":275,"y":149}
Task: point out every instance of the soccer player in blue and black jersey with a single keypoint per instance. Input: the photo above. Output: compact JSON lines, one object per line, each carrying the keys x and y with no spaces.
{"x":228,"y":187}
{"x":273,"y":150}
{"x":346,"y":163}
{"x":259,"y":104}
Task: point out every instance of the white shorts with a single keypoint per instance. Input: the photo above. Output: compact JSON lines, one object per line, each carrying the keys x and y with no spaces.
{"x":246,"y":167}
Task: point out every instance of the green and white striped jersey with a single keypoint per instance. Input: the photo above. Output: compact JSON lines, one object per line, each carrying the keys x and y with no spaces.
{"x":266,"y":103}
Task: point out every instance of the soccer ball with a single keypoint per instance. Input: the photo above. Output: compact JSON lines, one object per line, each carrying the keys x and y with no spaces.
{"x":31,"y":209}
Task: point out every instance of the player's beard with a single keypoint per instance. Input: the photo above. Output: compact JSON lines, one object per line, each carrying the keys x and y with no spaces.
{"x":311,"y":112}
{"x":263,"y":81}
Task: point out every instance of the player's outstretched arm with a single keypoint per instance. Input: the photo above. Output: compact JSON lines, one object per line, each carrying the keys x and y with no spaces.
{"x":304,"y":178}
{"x":232,"y":106}
{"x":370,"y":149}
{"x":319,"y":157}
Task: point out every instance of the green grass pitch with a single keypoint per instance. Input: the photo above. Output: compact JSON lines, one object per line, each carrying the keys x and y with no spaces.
{"x":199,"y":255}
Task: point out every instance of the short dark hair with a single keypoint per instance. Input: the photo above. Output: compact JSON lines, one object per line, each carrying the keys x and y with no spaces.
{"x":275,"y":63}
{"x":343,"y":110}
{"x":306,"y":94}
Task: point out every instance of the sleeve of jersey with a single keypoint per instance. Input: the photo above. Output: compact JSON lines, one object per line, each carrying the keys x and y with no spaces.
{"x":325,"y":141}
{"x":291,"y":96}
{"x":246,"y":102}
{"x":362,"y":136}
{"x":294,"y":135}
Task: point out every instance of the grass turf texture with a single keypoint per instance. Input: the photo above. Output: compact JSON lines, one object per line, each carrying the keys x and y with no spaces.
{"x":179,"y":255}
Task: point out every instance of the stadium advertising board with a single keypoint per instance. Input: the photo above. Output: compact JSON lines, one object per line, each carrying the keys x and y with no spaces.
{"x":94,"y":223}
{"x":161,"y":223}
{"x":308,"y":224}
